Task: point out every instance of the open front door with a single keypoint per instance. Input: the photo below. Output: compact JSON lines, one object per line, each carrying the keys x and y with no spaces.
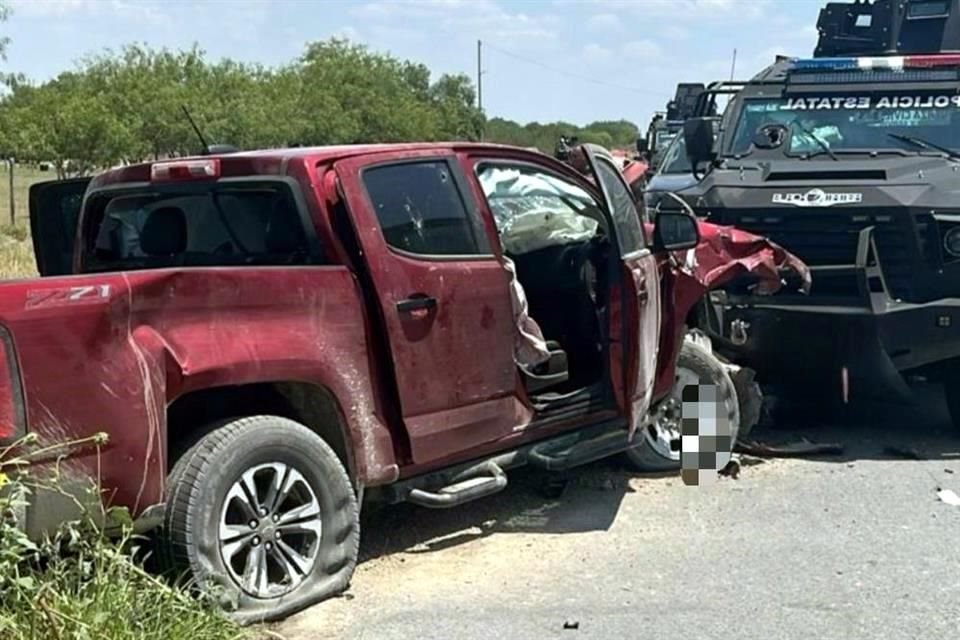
{"x":636,"y":328}
{"x":54,"y":214}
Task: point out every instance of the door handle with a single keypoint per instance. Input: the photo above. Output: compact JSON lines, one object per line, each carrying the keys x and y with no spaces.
{"x":416,"y":303}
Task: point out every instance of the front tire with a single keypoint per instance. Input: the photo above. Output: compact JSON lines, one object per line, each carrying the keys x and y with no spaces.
{"x":262,"y":513}
{"x":696,"y":365}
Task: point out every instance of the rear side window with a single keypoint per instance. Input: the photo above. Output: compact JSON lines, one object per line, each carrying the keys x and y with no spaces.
{"x":221,"y":226}
{"x":421,"y":210}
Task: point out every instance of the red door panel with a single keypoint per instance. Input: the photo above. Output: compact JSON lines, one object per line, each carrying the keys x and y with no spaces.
{"x":642,"y":306}
{"x":447,"y":314}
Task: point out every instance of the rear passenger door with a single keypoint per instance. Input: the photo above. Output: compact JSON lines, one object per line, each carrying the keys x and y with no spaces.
{"x":443,"y":297}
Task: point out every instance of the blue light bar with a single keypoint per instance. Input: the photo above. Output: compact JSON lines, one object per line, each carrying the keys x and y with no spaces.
{"x":877,"y":63}
{"x":824,"y":64}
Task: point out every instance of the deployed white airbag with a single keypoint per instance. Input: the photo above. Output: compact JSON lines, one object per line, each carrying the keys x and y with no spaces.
{"x":536,"y":211}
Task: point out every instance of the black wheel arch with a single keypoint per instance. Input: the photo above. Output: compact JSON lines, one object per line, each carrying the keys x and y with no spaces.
{"x":190,"y":415}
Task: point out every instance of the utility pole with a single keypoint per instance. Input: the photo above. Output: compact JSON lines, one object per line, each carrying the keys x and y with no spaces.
{"x":480,"y":82}
{"x":733,"y":66}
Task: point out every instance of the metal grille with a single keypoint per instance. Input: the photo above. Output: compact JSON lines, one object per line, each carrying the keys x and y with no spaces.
{"x":822,"y":238}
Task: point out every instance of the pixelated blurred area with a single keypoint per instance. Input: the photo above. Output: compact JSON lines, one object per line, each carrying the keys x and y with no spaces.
{"x":706,"y":435}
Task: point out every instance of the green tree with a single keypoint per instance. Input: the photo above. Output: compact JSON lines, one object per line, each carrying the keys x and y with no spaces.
{"x":126,"y":106}
{"x":146,"y":90}
{"x":455,"y":99}
{"x":67,"y":122}
{"x":350,"y":94}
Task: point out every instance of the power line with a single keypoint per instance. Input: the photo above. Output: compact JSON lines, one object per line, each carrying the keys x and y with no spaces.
{"x":564,"y":72}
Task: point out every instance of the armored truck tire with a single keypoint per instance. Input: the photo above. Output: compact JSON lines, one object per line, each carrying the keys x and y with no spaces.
{"x":261,"y":514}
{"x":951,"y":394}
{"x":696,"y":365}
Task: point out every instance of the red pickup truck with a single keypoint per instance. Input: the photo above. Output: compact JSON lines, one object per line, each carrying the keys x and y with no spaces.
{"x":268,"y":336}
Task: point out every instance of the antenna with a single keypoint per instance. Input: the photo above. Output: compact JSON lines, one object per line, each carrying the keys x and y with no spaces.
{"x":203,"y":141}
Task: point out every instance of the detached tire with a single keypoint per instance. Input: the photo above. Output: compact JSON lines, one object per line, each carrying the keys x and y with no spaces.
{"x":696,"y":365}
{"x":261,"y":512}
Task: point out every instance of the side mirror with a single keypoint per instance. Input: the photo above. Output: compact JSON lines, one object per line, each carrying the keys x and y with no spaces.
{"x":698,"y":139}
{"x":642,"y":146}
{"x":675,"y":231}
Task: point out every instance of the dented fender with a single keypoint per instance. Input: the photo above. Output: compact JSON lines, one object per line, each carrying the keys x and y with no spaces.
{"x":723,"y":254}
{"x":139,"y":341}
{"x":726,"y":253}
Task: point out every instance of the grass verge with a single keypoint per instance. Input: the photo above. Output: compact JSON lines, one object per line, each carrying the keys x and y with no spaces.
{"x":16,"y":249}
{"x":78,"y":585}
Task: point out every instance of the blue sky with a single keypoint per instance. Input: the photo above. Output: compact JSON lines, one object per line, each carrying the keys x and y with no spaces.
{"x":576,"y":60}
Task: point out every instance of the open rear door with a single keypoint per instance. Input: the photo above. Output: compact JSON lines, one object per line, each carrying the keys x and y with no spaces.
{"x":637,"y":325}
{"x":54,"y":214}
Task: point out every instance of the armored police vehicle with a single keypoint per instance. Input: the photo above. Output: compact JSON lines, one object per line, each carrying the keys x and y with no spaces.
{"x":665,"y":126}
{"x":851,"y":160}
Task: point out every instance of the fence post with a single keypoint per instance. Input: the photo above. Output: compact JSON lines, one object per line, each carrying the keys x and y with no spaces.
{"x":13,"y":198}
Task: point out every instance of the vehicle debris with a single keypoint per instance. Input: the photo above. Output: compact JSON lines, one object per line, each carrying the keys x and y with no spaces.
{"x":907,"y":453}
{"x":747,"y":460}
{"x":949,"y":496}
{"x":790,"y":450}
{"x":732,"y":470}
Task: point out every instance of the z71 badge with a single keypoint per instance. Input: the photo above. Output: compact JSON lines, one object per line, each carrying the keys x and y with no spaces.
{"x":85,"y":294}
{"x":817,"y":198}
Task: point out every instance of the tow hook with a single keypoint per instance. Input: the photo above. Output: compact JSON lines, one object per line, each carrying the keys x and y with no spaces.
{"x":739,"y":332}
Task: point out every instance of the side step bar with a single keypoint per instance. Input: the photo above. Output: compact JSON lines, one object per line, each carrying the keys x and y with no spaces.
{"x":470,"y":481}
{"x":479,"y":482}
{"x":573,"y":452}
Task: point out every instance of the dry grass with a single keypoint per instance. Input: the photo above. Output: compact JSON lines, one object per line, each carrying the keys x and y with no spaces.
{"x":16,"y":249}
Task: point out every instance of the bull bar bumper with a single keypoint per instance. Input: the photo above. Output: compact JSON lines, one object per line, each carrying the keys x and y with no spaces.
{"x":856,"y":348}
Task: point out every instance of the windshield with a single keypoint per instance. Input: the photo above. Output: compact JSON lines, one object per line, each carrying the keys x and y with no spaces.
{"x":663,"y":138}
{"x":675,"y":159}
{"x":854,"y":122}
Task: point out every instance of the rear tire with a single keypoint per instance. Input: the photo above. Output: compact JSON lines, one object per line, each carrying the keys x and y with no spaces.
{"x":261,"y":512}
{"x":695,"y":364}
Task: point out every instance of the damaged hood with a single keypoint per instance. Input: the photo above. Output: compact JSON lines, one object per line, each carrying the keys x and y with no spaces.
{"x":725,"y":254}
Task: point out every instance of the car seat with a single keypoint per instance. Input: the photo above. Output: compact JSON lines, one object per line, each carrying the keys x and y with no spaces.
{"x":164,"y":233}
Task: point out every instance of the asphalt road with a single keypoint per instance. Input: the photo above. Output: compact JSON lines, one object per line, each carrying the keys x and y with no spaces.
{"x":855,"y":546}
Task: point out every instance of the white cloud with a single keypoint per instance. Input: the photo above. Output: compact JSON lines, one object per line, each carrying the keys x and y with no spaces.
{"x":44,"y":8}
{"x":138,"y":10}
{"x":605,"y":22}
{"x":245,"y":20}
{"x":347,"y":33}
{"x":690,"y":10}
{"x":640,"y":50}
{"x":673,"y":32}
{"x":467,"y":18}
{"x":594,"y":52}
